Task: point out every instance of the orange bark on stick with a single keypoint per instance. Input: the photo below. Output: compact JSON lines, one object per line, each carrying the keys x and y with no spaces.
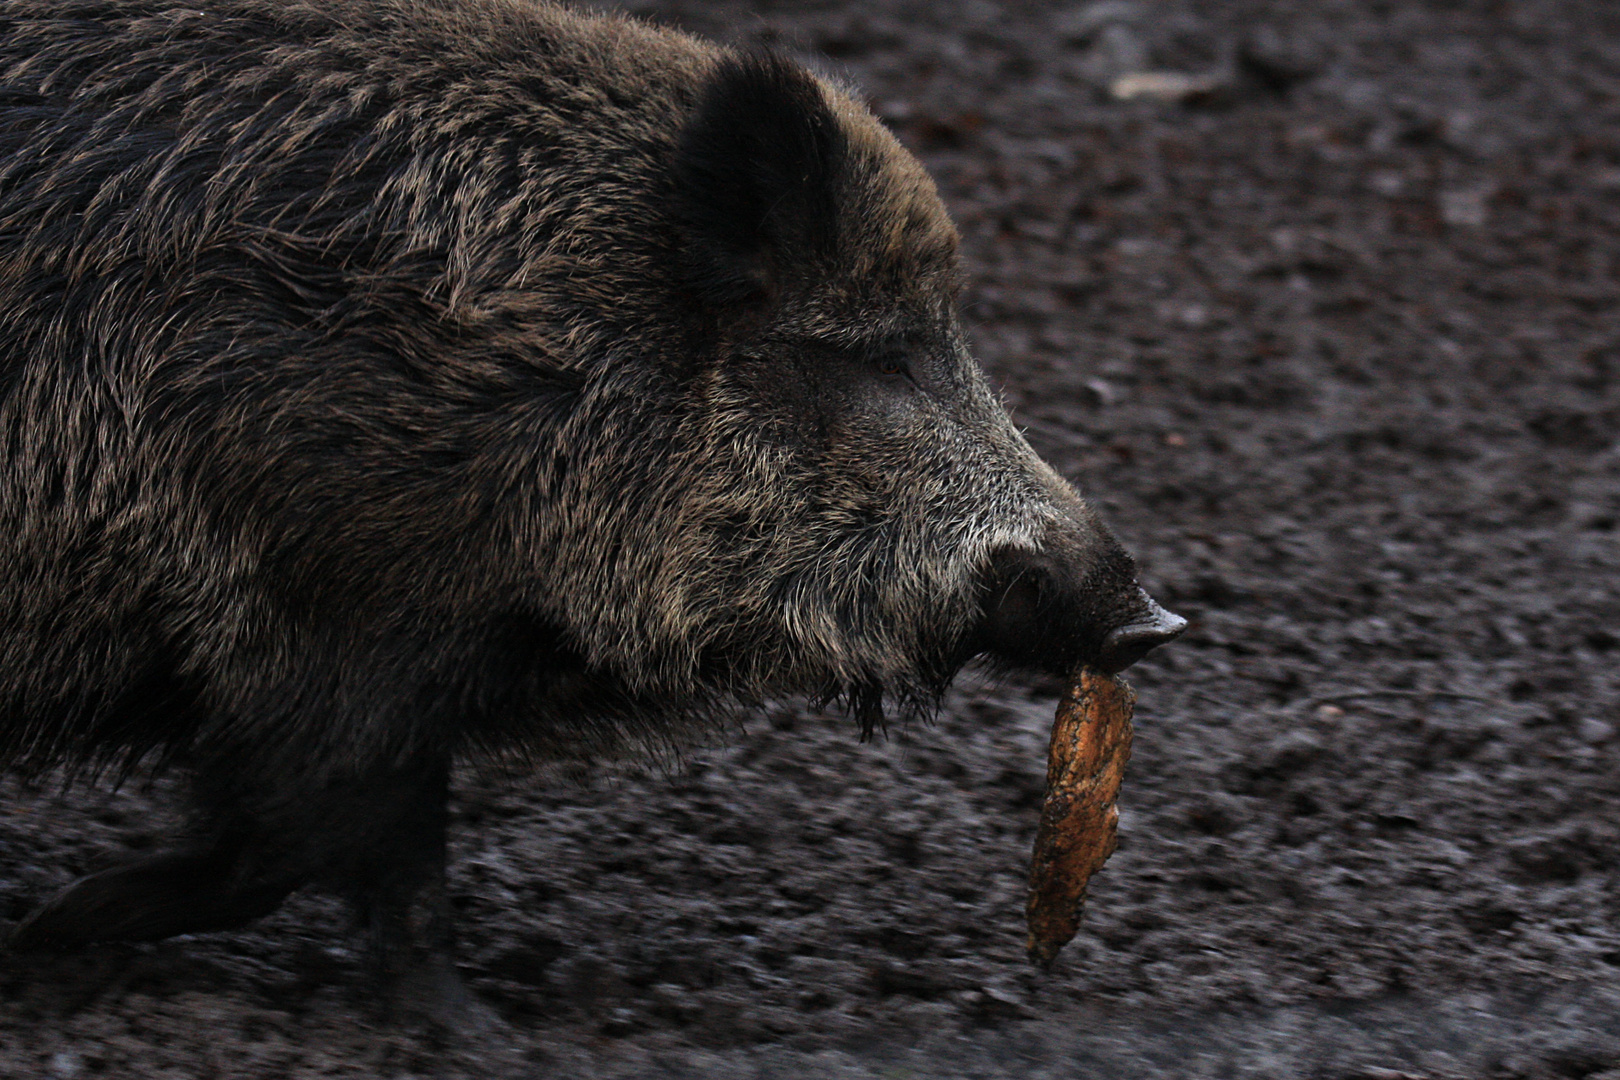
{"x":1091,"y":741}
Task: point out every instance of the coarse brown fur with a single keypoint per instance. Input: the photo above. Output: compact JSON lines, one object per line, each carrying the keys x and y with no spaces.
{"x":385,"y":380}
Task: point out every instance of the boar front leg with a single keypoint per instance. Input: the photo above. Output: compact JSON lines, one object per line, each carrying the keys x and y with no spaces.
{"x":396,"y":883}
{"x":376,"y":835}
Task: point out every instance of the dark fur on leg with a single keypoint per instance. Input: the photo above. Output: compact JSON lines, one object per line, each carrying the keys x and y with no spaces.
{"x":188,"y":891}
{"x":398,"y":891}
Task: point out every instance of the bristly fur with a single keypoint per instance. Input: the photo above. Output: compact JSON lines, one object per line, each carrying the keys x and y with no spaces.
{"x":387,"y":380}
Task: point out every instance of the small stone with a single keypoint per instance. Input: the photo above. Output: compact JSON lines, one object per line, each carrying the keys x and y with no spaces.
{"x":1099,"y":393}
{"x":1172,"y":87}
{"x":1387,"y":183}
{"x":1592,"y":730}
{"x":1464,"y":208}
{"x":620,"y":1021}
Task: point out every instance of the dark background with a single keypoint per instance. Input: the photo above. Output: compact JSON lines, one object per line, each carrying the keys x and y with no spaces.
{"x":1334,"y":348}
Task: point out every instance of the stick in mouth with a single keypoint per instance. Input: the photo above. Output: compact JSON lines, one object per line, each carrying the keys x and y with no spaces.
{"x":1085,"y":764}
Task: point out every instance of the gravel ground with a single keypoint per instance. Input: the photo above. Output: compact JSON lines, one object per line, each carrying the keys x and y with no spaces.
{"x":1330,"y":339}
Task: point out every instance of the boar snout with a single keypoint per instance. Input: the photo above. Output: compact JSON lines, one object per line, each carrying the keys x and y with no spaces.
{"x":1049,"y":613}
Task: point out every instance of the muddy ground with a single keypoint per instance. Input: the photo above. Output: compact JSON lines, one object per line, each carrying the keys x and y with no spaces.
{"x":1334,"y":347}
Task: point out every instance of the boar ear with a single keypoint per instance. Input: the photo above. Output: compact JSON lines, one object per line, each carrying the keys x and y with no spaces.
{"x":755,"y":172}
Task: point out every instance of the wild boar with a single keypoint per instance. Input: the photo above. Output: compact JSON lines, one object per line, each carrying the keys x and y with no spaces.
{"x":386,"y":381}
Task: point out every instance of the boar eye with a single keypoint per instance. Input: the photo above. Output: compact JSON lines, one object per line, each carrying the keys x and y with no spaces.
{"x":892,"y":365}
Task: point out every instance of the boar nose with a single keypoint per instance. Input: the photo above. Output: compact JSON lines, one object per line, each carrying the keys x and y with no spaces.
{"x":1152,"y":627}
{"x":1049,"y":610}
